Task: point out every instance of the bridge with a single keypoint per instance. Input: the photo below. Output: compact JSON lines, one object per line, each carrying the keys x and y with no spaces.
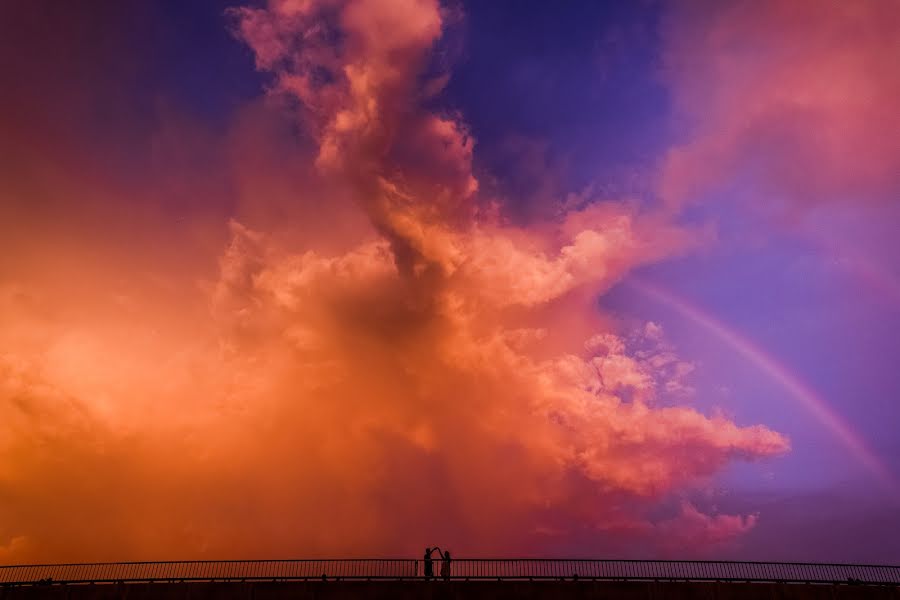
{"x":500,"y":579}
{"x":527,"y":569}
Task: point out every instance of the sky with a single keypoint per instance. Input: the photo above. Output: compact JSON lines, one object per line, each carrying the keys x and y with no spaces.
{"x":349,"y":278}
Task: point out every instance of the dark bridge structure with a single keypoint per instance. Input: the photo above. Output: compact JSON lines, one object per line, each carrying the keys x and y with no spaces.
{"x":403,"y":579}
{"x":461,"y":569}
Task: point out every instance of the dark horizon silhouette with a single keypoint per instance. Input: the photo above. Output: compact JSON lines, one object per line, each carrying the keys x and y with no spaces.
{"x":340,"y":278}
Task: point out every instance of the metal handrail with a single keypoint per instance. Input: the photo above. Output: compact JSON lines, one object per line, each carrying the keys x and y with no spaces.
{"x":460,"y":569}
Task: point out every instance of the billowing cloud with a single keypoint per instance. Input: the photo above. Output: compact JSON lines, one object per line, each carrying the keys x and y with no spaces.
{"x":694,"y":528}
{"x":797,"y":98}
{"x":426,"y":374}
{"x":353,"y":71}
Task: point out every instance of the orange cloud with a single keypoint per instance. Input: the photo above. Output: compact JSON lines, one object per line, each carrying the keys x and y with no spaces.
{"x":361,"y":361}
{"x":358,"y":97}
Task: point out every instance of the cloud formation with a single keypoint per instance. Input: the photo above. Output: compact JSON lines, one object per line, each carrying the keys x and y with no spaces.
{"x":795,"y":98}
{"x":428,"y":374}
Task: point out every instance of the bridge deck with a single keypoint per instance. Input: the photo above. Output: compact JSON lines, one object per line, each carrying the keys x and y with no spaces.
{"x":451,"y":590}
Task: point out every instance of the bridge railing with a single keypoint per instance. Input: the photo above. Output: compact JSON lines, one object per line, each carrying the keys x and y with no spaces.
{"x":671,"y":570}
{"x":462,"y":569}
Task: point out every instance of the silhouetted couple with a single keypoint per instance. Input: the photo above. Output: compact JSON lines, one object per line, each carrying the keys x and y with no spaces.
{"x":429,"y":563}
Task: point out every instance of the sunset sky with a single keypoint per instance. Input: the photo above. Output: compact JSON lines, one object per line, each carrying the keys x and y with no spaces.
{"x":306,"y":278}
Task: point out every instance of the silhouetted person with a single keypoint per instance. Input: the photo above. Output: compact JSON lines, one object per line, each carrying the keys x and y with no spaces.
{"x":429,"y":564}
{"x":445,"y":565}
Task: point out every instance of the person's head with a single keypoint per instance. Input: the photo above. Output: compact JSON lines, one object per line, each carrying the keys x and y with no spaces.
{"x":446,"y":554}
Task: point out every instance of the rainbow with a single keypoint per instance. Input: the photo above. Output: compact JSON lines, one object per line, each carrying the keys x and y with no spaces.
{"x":799,"y":390}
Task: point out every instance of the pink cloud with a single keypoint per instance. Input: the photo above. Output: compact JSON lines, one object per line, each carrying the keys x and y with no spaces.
{"x":691,"y":530}
{"x":798,"y":97}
